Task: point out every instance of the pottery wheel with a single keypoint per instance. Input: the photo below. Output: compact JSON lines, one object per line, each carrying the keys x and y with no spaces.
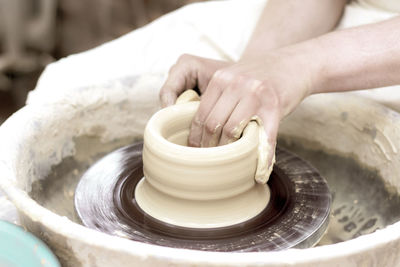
{"x":296,"y":216}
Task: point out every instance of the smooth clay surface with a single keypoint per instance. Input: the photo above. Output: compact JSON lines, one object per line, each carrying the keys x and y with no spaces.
{"x":198,"y":187}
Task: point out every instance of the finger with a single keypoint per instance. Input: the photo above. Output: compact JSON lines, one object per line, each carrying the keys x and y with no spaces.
{"x":208,"y":100}
{"x":179,"y":79}
{"x":217,"y":118}
{"x":168,"y":98}
{"x":182,"y":76}
{"x":238,"y":120}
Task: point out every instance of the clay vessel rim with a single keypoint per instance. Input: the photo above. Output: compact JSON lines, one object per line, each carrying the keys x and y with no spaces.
{"x":153,"y":130}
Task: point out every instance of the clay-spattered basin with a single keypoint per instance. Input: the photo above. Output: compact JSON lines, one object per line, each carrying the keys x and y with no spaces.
{"x":47,"y":145}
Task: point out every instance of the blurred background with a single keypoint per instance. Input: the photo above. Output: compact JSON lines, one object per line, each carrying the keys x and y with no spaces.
{"x":34,"y":33}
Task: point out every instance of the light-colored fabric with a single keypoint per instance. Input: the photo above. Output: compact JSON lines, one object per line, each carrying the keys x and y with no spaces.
{"x":387,"y":5}
{"x":360,"y":13}
{"x":196,"y":29}
{"x":216,"y":29}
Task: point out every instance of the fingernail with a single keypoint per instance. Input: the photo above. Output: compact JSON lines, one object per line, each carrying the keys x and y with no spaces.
{"x":216,"y":136}
{"x":238,"y":130}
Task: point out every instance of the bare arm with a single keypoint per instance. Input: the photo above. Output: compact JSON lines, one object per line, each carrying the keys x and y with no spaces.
{"x":357,"y":58}
{"x":271,"y":84}
{"x":288,"y":22}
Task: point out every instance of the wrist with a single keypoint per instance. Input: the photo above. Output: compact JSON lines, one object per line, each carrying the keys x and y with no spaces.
{"x":319,"y":65}
{"x":308,"y":60}
{"x":259,"y":47}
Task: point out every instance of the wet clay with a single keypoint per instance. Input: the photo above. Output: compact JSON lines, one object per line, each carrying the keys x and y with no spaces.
{"x":202,"y":187}
{"x":198,"y":187}
{"x":296,"y":216}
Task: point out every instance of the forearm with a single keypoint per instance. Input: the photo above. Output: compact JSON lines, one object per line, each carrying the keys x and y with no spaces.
{"x":358,"y":58}
{"x":285,"y":22}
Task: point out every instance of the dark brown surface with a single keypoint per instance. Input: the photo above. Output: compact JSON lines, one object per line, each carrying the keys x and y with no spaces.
{"x":8,"y":105}
{"x":79,"y":30}
{"x":296,"y":216}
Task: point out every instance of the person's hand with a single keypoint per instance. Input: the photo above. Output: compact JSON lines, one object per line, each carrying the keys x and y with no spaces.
{"x":189,"y":72}
{"x":232,"y":93}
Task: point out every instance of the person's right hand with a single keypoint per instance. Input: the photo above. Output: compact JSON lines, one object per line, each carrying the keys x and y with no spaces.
{"x":269,"y":87}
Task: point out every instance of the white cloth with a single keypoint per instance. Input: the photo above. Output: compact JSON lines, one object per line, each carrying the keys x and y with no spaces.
{"x":388,"y":5}
{"x":216,"y":29}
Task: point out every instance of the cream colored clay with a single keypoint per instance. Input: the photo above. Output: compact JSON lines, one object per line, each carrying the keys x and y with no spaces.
{"x":199,"y":187}
{"x":264,"y":149}
{"x":187,"y":96}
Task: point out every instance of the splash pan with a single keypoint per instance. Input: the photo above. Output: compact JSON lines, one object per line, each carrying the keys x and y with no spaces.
{"x":351,"y":141}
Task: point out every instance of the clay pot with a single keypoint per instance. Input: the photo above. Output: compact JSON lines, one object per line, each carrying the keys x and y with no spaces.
{"x":198,"y":187}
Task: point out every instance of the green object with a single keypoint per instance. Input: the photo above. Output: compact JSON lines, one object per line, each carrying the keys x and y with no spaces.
{"x":19,"y":248}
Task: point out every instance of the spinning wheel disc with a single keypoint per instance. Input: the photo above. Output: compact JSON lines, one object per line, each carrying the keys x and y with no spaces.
{"x":296,"y":216}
